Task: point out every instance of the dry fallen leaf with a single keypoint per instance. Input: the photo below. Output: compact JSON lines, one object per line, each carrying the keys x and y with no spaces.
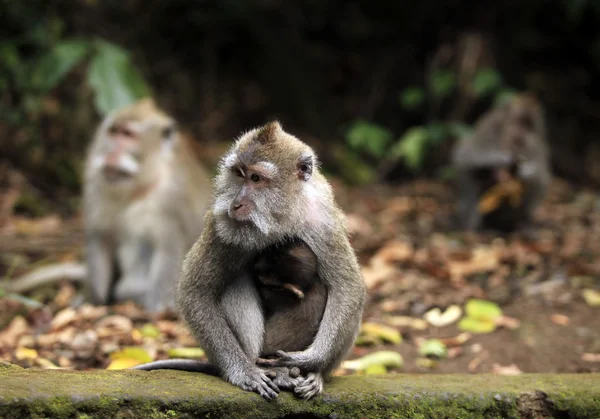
{"x":115,"y":324}
{"x":63,"y":318}
{"x":509,"y":190}
{"x":560,"y":319}
{"x":406,"y":321}
{"x":511,"y":369}
{"x":457,"y":340}
{"x":15,"y":329}
{"x":588,"y":357}
{"x":436,"y":318}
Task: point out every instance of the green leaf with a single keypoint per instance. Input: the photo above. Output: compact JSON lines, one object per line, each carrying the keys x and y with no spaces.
{"x":412,"y":97}
{"x":411,"y":147}
{"x":469,"y":324}
{"x":442,"y":83}
{"x":150,"y":331}
{"x":486,"y":81}
{"x":114,"y":79}
{"x":365,"y":136}
{"x":52,"y":67}
{"x":433,"y":347}
{"x":437,"y":132}
{"x":482,"y":310}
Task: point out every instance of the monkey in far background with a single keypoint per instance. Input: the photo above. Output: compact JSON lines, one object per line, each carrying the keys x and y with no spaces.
{"x":503,"y":167}
{"x":145,"y":196}
{"x":292,"y":295}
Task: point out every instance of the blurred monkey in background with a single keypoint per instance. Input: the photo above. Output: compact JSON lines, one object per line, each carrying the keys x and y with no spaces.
{"x":145,"y":196}
{"x":503,"y":167}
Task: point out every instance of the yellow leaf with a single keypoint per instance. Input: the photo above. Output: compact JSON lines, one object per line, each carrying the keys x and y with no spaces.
{"x":375,"y":370}
{"x":385,"y":333}
{"x":132,"y":352}
{"x":591,"y":297}
{"x":185,"y":353}
{"x":123,"y":363}
{"x":46,"y":363}
{"x":25,"y":353}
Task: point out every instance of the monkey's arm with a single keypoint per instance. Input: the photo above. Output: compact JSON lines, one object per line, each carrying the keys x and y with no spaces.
{"x":208,"y":270}
{"x":99,"y":267}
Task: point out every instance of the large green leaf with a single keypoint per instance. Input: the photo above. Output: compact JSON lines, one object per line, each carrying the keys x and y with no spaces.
{"x":486,"y":81}
{"x":412,"y":97}
{"x":411,"y":147}
{"x":53,"y":66}
{"x":369,"y":137}
{"x":114,"y":79}
{"x":442,"y":83}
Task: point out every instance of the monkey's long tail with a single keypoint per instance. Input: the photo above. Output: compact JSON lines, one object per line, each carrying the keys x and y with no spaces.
{"x":189,"y":365}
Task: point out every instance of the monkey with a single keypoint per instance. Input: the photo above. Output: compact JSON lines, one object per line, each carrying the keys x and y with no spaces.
{"x":144,"y":198}
{"x":292,"y":294}
{"x":508,"y":142}
{"x":268,"y":189}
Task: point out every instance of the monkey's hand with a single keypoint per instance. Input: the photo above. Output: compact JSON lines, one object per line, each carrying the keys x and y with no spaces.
{"x":301,"y":359}
{"x":256,"y":381}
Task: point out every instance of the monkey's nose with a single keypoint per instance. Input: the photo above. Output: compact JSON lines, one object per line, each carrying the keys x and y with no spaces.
{"x":237,"y":206}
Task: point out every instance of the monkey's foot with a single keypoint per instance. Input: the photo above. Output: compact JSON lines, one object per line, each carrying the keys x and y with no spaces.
{"x":311,"y":386}
{"x":285,"y":378}
{"x":257,"y":382}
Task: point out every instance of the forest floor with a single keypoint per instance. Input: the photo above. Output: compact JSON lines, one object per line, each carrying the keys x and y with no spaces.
{"x":545,"y":282}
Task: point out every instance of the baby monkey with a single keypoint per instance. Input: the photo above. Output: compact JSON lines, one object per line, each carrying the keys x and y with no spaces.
{"x":292,"y":295}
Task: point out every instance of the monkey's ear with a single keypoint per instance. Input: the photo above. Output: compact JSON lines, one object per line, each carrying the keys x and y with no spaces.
{"x":268,"y":132}
{"x":305,"y":166}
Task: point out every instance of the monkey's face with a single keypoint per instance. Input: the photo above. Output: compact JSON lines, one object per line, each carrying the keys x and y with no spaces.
{"x":131,"y":143}
{"x":261,"y":186}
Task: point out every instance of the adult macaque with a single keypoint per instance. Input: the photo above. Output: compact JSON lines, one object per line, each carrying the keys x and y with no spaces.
{"x":268,"y":190}
{"x":507,"y":151}
{"x":293,"y":296}
{"x":145,"y":196}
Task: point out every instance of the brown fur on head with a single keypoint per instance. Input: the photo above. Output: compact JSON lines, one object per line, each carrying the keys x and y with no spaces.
{"x":267,"y":182}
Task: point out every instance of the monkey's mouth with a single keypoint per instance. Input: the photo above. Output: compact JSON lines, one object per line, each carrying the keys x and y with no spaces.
{"x":113,"y":174}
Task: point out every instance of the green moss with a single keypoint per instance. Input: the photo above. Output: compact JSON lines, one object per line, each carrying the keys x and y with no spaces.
{"x":171,"y":394}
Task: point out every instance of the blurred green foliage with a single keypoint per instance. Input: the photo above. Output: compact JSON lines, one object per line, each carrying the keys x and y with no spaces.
{"x":417,"y":141}
{"x":384,"y":81}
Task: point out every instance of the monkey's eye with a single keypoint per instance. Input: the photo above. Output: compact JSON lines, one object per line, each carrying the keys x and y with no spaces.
{"x":304,"y":167}
{"x":255,"y":178}
{"x":113,"y":130}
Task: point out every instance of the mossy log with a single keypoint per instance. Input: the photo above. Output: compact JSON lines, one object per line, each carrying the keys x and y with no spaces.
{"x":173,"y":394}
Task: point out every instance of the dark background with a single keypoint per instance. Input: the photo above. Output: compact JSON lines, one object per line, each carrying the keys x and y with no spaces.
{"x":326,"y":69}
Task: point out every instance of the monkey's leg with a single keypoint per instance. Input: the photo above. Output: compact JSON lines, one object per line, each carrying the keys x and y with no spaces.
{"x":311,"y":386}
{"x":135,"y":256}
{"x":100,"y":267}
{"x":163,"y":275}
{"x":242,"y":309}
